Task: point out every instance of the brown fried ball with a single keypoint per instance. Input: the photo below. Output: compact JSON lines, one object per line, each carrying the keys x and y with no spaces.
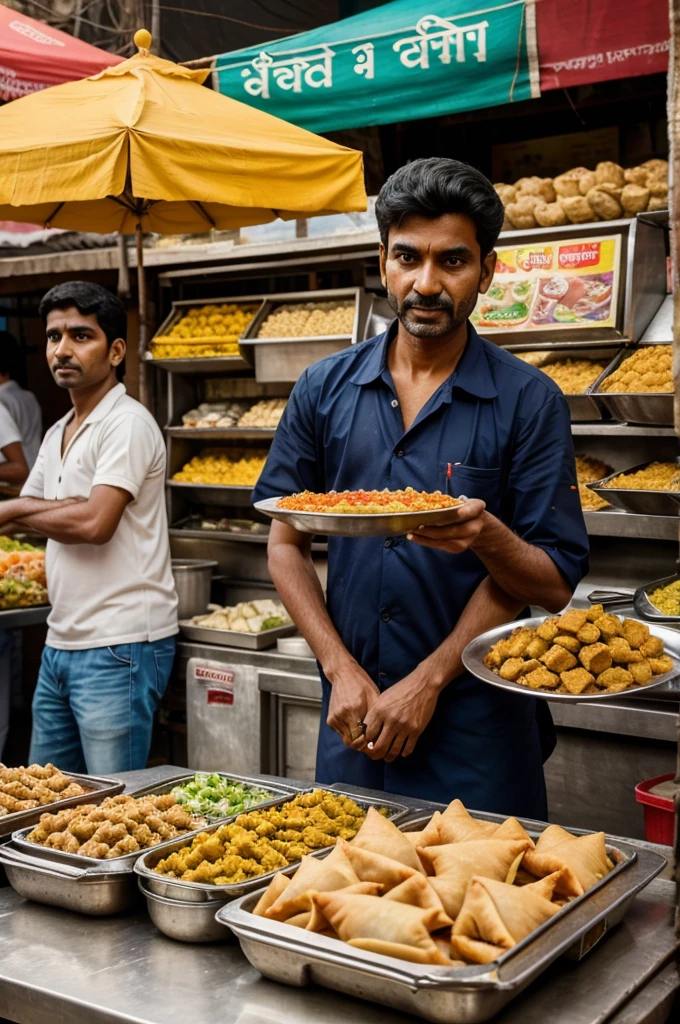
{"x":549,"y":215}
{"x":634,"y":199}
{"x":586,"y":182}
{"x":607,"y":170}
{"x":636,"y":175}
{"x":567,"y":185}
{"x":603,"y":204}
{"x":577,"y":209}
{"x":521,"y":213}
{"x":506,"y":193}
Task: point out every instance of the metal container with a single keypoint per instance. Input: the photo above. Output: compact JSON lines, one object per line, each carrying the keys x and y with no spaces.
{"x":468,"y":995}
{"x":185,"y":922}
{"x":645,"y":503}
{"x":212,"y":494}
{"x":192,"y":582}
{"x":644,"y":408}
{"x":17,"y":618}
{"x":174,"y":888}
{"x":208,"y":364}
{"x":583,"y":407}
{"x":359,"y":525}
{"x":235,"y":638}
{"x":98,"y":786}
{"x":92,"y":886}
{"x":473,"y":656}
{"x":284,"y":359}
{"x":644,"y":607}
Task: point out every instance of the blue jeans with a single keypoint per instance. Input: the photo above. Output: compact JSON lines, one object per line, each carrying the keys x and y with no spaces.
{"x":93,"y":710}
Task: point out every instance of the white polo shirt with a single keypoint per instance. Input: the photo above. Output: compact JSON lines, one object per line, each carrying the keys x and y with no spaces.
{"x":9,"y":431}
{"x":123,"y":591}
{"x":23,"y":407}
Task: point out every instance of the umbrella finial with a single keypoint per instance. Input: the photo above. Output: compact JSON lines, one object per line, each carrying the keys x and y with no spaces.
{"x":143,"y":40}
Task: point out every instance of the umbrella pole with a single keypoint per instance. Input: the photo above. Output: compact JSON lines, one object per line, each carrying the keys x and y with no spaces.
{"x":143,"y":323}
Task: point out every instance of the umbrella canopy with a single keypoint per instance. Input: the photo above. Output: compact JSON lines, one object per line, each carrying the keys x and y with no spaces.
{"x":33,"y":55}
{"x":143,"y":146}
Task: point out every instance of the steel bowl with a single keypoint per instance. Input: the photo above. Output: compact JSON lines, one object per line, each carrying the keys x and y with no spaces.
{"x":644,"y":607}
{"x":184,"y":921}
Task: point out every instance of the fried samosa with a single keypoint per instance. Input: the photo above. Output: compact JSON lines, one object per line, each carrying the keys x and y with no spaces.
{"x":383,"y":926}
{"x":315,"y":920}
{"x":271,"y":894}
{"x":511,"y":829}
{"x":582,"y":860}
{"x":456,"y":863}
{"x":416,"y":891}
{"x":334,"y":872}
{"x":378,"y":835}
{"x":457,"y":825}
{"x":496,"y":916}
{"x":429,"y":836}
{"x":373,"y":867}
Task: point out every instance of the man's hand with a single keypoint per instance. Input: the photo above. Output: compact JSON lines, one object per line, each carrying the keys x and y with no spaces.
{"x":399,"y":716}
{"x":353,"y":692}
{"x":459,"y":536}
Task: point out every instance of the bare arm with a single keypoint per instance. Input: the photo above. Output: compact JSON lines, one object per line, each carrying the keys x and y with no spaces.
{"x":402,"y":712}
{"x":15,"y":469}
{"x":71,"y":521}
{"x":293,"y":573}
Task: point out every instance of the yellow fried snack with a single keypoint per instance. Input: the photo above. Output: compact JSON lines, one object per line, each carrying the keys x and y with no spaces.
{"x":558,"y":660}
{"x":660,"y":665}
{"x":548,"y":630}
{"x":536,"y":647}
{"x":219,"y":470}
{"x":595,"y":657}
{"x":570,"y":643}
{"x":641,"y":672}
{"x":657,"y":476}
{"x":576,"y":680}
{"x":609,"y":626}
{"x":572,"y":620}
{"x":667,"y":599}
{"x":588,"y":633}
{"x":648,"y":370}
{"x":540,"y":679}
{"x":204,"y":331}
{"x":518,"y":641}
{"x":622,"y":652}
{"x":309,"y":319}
{"x":511,"y":669}
{"x":614,"y":679}
{"x":652,"y":648}
{"x":594,"y":612}
{"x":637,"y":634}
{"x":573,"y":376}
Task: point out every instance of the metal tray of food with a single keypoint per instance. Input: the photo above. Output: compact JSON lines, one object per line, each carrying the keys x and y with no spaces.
{"x":361,"y":525}
{"x":272,"y":302}
{"x":174,"y":888}
{"x":583,"y":407}
{"x":467,"y":995}
{"x":644,"y":503}
{"x":644,"y":607}
{"x":91,"y":886}
{"x":233,"y":637}
{"x":214,"y":494}
{"x":634,"y":407}
{"x":473,"y":659}
{"x":184,"y":921}
{"x":99,"y":787}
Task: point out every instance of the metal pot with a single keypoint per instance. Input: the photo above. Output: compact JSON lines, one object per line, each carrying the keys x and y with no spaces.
{"x":192,"y":582}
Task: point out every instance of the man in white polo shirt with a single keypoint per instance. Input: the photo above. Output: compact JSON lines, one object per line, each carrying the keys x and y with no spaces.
{"x":97,"y":493}
{"x":22,"y":405}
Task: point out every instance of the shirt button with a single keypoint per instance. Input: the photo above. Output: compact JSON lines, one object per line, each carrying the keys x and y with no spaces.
{"x":388,"y":543}
{"x":385,"y":616}
{"x":400,"y":454}
{"x":395,"y":403}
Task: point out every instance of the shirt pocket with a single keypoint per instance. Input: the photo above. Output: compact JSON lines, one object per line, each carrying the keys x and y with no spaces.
{"x":475,"y":482}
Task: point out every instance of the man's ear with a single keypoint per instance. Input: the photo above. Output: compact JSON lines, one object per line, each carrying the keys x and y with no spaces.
{"x":117,"y":352}
{"x":488,"y":268}
{"x":383,"y":261}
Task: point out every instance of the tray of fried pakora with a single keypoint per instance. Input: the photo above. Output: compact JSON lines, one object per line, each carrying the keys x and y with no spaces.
{"x":25,"y":793}
{"x":638,"y":386}
{"x":579,"y":655}
{"x":648,"y":489}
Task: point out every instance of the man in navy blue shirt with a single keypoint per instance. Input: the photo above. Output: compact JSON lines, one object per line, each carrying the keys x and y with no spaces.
{"x":430,"y":404}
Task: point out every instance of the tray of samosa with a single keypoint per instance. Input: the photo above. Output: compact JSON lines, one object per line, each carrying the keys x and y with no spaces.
{"x":82,"y":858}
{"x":581,"y":655}
{"x":448,"y":916}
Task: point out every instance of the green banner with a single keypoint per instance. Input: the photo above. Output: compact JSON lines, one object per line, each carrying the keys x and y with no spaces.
{"x":405,"y":60}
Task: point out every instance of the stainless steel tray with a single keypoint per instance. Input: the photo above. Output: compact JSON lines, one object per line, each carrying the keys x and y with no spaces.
{"x":174,"y":888}
{"x":467,"y":995}
{"x":233,"y":637}
{"x":329,"y":524}
{"x":91,"y":886}
{"x":17,"y":618}
{"x":645,"y":503}
{"x":473,"y":656}
{"x":100,"y":787}
{"x":646,"y":408}
{"x":272,"y":302}
{"x":185,"y":922}
{"x":644,"y":607}
{"x":584,"y":407}
{"x":214,"y":494}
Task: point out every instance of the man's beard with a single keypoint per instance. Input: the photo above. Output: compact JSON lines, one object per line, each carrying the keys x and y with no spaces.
{"x":454,"y":316}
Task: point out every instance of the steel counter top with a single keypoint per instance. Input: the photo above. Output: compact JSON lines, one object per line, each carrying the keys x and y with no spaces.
{"x":58,"y":966}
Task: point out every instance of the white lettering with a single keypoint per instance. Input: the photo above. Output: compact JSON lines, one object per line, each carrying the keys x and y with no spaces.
{"x":365,"y":64}
{"x":440,"y":34}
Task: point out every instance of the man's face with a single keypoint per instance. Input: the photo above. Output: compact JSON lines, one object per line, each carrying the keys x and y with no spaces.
{"x":78,"y":353}
{"x":433,"y":271}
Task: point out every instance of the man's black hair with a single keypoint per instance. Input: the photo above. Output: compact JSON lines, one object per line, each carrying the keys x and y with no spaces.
{"x":90,"y":298}
{"x":436,"y":186}
{"x":10,"y":356}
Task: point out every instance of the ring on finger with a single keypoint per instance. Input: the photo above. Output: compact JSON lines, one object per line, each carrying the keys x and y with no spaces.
{"x":359,"y":730}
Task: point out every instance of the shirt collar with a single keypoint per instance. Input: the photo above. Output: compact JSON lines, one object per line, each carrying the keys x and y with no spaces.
{"x":102,"y":409}
{"x":473,"y":373}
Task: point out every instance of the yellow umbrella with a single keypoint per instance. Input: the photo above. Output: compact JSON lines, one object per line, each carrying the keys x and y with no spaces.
{"x":142,"y":146}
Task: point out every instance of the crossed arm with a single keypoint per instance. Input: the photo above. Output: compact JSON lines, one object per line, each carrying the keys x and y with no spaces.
{"x":93,"y":520}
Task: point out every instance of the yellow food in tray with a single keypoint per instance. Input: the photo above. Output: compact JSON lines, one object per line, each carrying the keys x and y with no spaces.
{"x":309,"y":319}
{"x":219,"y":470}
{"x":649,"y":370}
{"x":205,"y":331}
{"x":262,"y":841}
{"x":588,"y":471}
{"x":666,"y":599}
{"x":580,"y":652}
{"x":574,"y":376}
{"x":459,"y":891}
{"x":657,"y":476}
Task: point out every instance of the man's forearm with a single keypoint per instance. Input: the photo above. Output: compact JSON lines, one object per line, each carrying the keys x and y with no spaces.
{"x":523,"y":571}
{"x":66,"y":520}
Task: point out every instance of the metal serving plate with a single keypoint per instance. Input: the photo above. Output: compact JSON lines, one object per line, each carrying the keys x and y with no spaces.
{"x":644,"y":607}
{"x":174,"y":888}
{"x":99,"y":786}
{"x":184,"y":921}
{"x":473,"y":656}
{"x":233,"y":637}
{"x":329,"y":524}
{"x":467,"y":995}
{"x":644,"y":407}
{"x":644,"y":503}
{"x":92,"y":886}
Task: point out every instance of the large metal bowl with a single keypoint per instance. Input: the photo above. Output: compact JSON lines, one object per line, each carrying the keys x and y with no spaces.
{"x":644,"y":503}
{"x":473,"y":659}
{"x":330,"y":524}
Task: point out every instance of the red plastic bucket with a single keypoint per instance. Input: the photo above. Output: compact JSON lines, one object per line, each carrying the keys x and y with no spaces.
{"x":659,"y":811}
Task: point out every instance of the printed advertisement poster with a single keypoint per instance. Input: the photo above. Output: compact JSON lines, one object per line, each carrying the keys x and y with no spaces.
{"x":553,"y":286}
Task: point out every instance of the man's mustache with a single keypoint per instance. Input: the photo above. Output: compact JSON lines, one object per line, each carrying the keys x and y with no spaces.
{"x":428,"y":302}
{"x":65,"y":366}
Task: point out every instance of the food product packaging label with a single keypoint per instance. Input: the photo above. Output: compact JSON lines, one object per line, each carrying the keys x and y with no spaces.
{"x":218,"y":680}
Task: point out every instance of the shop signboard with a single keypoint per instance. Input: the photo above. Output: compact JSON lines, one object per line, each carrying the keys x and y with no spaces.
{"x":553,"y":286}
{"x":400,"y":61}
